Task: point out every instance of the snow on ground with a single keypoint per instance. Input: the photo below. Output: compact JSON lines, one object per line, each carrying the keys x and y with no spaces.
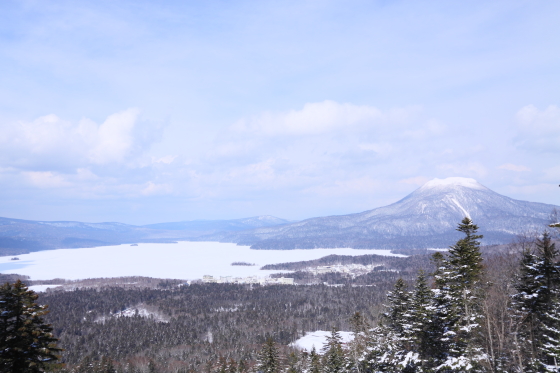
{"x":41,"y":288}
{"x":139,"y":310}
{"x":319,"y":339}
{"x":183,"y":260}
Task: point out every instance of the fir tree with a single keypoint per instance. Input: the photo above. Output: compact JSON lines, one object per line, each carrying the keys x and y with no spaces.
{"x":399,"y":304}
{"x":26,"y":341}
{"x":293,"y":364}
{"x":420,"y":317}
{"x":536,"y":304}
{"x":457,"y":302}
{"x":334,"y":357}
{"x":268,"y":360}
{"x":314,"y":361}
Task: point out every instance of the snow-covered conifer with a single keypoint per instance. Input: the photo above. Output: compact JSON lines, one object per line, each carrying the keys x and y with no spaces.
{"x":268,"y":359}
{"x":334,"y":357}
{"x":536,"y":305}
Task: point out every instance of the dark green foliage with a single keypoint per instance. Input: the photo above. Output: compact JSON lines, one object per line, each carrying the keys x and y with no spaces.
{"x":26,"y":341}
{"x":420,"y":317}
{"x":464,"y":258}
{"x":536,"y":303}
{"x":314,"y":361}
{"x":334,"y":357}
{"x":268,"y":359}
{"x":399,"y":304}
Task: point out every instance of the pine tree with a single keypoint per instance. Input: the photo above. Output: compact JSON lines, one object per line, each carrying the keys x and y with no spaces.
{"x":268,"y":360}
{"x":26,"y":341}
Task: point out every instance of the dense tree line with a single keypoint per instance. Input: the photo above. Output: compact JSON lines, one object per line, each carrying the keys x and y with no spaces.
{"x":203,"y":322}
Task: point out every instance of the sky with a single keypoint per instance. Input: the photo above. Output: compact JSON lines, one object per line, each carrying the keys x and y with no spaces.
{"x":146,"y":111}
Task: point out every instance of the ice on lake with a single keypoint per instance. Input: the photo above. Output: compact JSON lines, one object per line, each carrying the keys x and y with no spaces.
{"x":183,"y":260}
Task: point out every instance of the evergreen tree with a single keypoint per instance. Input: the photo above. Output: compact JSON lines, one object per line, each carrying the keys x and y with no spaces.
{"x":358,"y":347}
{"x":551,"y":341}
{"x":458,"y":310}
{"x":293,"y":364}
{"x":314,"y":361}
{"x":334,"y":357}
{"x":418,"y":333}
{"x":391,"y":346}
{"x":268,"y":360}
{"x":536,"y":304}
{"x":26,"y":341}
{"x":399,"y":304}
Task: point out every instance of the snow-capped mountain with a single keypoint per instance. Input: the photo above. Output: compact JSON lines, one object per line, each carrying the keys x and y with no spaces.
{"x":426,"y":218}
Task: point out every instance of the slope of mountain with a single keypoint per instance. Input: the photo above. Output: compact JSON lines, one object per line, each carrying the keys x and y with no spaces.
{"x":426,"y":218}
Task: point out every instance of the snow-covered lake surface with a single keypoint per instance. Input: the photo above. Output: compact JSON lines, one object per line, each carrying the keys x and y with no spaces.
{"x":41,"y":288}
{"x":183,"y":260}
{"x":319,"y":339}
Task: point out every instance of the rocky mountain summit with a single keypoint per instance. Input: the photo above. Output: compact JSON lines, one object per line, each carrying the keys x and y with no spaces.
{"x":426,"y":218}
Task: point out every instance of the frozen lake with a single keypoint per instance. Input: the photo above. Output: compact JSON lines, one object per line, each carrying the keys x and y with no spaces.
{"x":183,"y":260}
{"x":318,"y":339}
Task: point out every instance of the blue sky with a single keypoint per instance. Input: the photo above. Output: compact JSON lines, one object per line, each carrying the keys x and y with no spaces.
{"x":147,"y":111}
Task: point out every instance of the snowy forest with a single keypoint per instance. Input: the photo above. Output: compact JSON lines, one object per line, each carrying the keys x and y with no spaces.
{"x":469,"y":309}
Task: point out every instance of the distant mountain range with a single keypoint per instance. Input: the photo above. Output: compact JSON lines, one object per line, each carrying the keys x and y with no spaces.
{"x":208,"y":226}
{"x":426,"y":218}
{"x":20,"y":236}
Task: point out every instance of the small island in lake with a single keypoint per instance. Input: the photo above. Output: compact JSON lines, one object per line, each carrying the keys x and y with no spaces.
{"x":242,"y":264}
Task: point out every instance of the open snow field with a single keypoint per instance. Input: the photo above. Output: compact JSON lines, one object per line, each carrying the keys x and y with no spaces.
{"x":183,"y":260}
{"x":318,"y":339}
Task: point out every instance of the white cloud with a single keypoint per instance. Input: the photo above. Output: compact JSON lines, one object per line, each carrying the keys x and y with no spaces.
{"x":114,"y":139}
{"x":539,"y":130}
{"x":52,"y":143}
{"x":514,"y":167}
{"x":45,"y":179}
{"x":322,"y":117}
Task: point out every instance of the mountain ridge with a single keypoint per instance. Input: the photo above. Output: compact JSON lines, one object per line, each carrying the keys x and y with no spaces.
{"x":426,"y":218}
{"x":19,"y":236}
